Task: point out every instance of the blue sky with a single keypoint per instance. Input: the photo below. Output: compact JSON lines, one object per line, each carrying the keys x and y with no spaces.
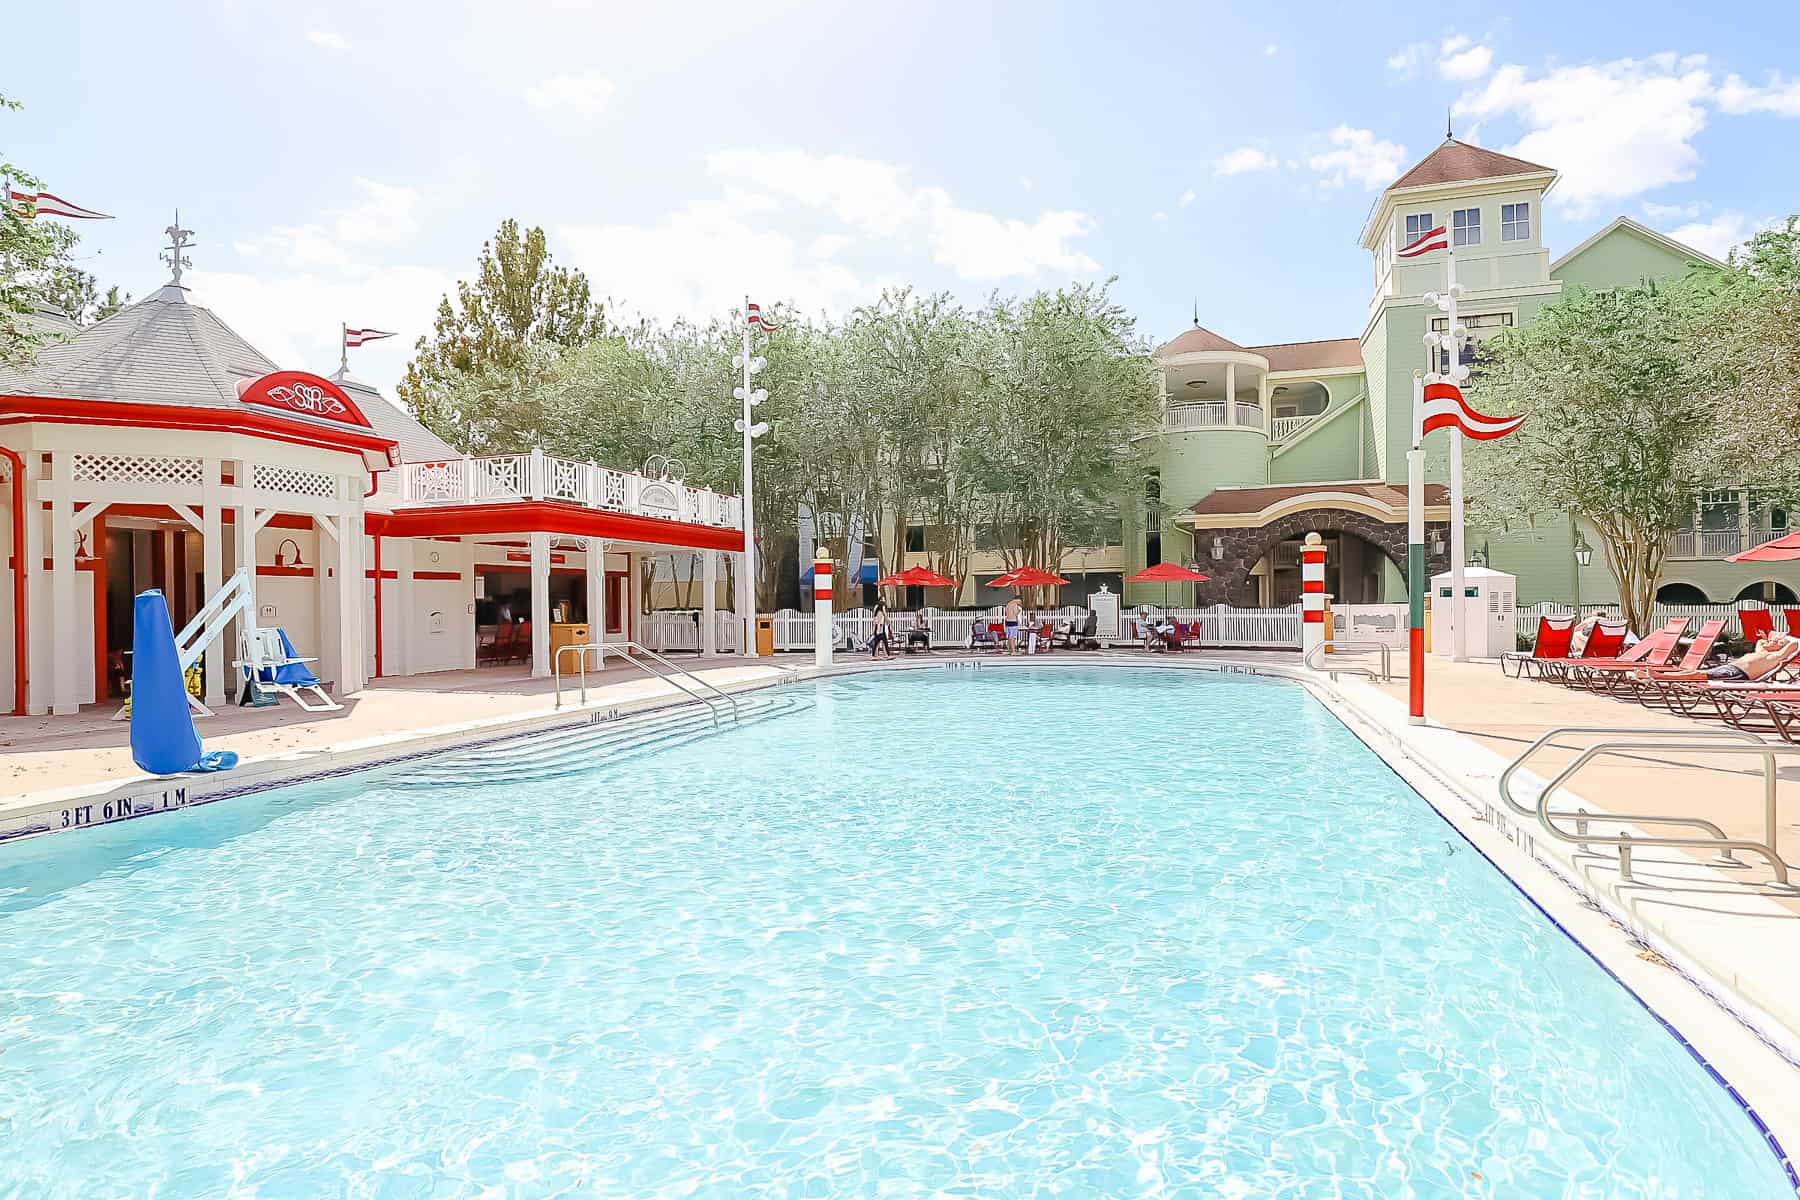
{"x":344,"y":161}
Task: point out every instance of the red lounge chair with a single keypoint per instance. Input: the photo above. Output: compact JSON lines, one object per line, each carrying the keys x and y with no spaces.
{"x":1697,"y":696}
{"x":997,"y":631}
{"x":1755,"y":624}
{"x":1637,"y":683}
{"x":1606,"y":642}
{"x":1553,"y":634}
{"x":1654,"y":651}
{"x":1792,"y":616}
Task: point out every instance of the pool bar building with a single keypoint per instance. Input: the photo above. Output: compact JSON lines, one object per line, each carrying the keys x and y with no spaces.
{"x":159,"y":449}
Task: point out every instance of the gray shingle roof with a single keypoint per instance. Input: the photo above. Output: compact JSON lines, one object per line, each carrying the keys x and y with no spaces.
{"x":417,"y":443}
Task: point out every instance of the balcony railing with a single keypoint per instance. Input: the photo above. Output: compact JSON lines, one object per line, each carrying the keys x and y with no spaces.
{"x":1287,"y":427}
{"x":506,"y":478}
{"x":1717,"y":543}
{"x":1212,"y":414}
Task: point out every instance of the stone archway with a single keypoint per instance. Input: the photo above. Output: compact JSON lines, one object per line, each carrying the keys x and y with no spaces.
{"x":1232,"y":583}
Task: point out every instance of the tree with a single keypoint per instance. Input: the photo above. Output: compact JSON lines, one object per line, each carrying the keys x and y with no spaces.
{"x":1616,"y":431}
{"x":1068,"y":388}
{"x":77,"y":293}
{"x":493,"y":340}
{"x":29,"y":251}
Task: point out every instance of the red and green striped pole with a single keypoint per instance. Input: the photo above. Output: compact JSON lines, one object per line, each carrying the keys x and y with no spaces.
{"x":1415,"y":565}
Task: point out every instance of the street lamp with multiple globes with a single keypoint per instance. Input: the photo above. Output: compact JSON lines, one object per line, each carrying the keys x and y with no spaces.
{"x":751,"y":429}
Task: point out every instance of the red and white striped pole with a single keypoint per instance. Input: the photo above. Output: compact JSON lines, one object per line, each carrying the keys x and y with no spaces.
{"x":822,"y":610}
{"x":1312,"y":593}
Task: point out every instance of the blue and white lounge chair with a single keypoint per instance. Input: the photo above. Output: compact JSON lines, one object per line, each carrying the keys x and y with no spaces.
{"x":268,"y":656}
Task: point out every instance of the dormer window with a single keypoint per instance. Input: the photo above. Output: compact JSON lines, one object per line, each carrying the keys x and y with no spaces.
{"x":1515,"y":222}
{"x":1465,"y":227}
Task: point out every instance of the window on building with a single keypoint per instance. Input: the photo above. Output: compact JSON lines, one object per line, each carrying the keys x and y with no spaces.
{"x":1465,"y":227}
{"x":1515,"y":222}
{"x":915,"y":539}
{"x":1417,"y":224}
{"x":1481,"y":327}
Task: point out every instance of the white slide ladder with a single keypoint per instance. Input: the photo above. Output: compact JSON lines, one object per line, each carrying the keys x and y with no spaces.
{"x":232,"y":600}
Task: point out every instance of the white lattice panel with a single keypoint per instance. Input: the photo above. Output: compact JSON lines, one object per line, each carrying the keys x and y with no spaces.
{"x":137,"y":468}
{"x":565,"y":479}
{"x":501,"y":478}
{"x":291,"y":481}
{"x":612,"y":490}
{"x":435,"y":483}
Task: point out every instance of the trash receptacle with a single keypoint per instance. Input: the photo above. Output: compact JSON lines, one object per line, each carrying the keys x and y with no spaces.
{"x":765,"y":637}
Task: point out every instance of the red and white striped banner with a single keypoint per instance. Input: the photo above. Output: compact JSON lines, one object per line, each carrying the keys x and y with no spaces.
{"x":1445,"y":408}
{"x":1425,"y":243}
{"x":31,"y":205}
{"x":755,"y":319}
{"x":356,"y":337}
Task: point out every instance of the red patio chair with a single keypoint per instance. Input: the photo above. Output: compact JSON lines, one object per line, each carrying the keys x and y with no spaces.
{"x":1636,"y":682}
{"x":1755,"y":624}
{"x":1607,"y":641}
{"x":997,"y":631}
{"x":1654,"y":651}
{"x":1553,"y":634}
{"x":1792,"y":616}
{"x":520,"y":650}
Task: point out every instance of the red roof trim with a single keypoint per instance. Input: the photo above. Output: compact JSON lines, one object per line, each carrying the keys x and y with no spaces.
{"x":384,"y":451}
{"x":550,"y":516}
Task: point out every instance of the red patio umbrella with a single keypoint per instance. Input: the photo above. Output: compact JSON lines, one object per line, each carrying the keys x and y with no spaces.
{"x":1025,"y":577}
{"x":916,"y":577}
{"x":1783,"y":549}
{"x":1168,"y":572}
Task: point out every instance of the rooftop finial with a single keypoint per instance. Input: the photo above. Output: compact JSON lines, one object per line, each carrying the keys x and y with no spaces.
{"x":1196,"y":312}
{"x":179,"y":240}
{"x":1448,"y":136}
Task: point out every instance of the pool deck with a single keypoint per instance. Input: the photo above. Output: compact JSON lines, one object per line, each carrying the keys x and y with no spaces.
{"x":1715,"y":953}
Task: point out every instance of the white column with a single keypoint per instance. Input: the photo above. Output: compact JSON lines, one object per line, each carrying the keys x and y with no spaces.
{"x":352,"y":588}
{"x":39,"y":650}
{"x":325,"y":591}
{"x":212,"y":571}
{"x":822,"y":641}
{"x":1231,"y":395}
{"x":596,"y":591}
{"x":540,"y":606}
{"x":1263,"y":395}
{"x":634,"y":595}
{"x":1312,"y":593}
{"x":244,"y":544}
{"x":709,"y":603}
{"x":1459,"y":613}
{"x":66,"y":653}
{"x":397,"y":653}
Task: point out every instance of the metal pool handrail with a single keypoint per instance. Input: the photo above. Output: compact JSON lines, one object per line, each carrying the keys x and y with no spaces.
{"x":1387,"y":659}
{"x":1698,"y":741}
{"x":674,"y":676}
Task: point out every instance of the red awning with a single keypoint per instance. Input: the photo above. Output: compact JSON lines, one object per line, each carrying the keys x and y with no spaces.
{"x":549,"y":516}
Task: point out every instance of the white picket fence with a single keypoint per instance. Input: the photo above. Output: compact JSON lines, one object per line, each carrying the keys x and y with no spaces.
{"x":1696,"y":613}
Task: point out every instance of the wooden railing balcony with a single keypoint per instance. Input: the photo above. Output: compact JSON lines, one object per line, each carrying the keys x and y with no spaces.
{"x":505,"y":478}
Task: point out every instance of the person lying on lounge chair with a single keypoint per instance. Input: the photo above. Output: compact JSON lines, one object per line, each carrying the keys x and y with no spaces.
{"x":1763,"y":657}
{"x":1579,"y":639}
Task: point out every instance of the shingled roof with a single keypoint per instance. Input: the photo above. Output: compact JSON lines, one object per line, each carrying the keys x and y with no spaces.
{"x":1196,"y":340}
{"x":417,"y":443}
{"x":1312,"y":356}
{"x":1458,"y":162}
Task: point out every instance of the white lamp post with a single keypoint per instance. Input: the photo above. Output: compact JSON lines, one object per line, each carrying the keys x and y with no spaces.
{"x":751,"y":429}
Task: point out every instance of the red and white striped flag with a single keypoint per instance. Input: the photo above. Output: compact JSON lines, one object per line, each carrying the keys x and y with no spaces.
{"x":1445,"y":408}
{"x":1425,"y":243}
{"x":356,"y":337}
{"x":756,"y":320}
{"x":31,"y":205}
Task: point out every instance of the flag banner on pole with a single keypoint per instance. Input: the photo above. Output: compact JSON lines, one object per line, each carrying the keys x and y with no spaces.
{"x":1445,"y":408}
{"x":356,"y":337}
{"x":756,"y":320}
{"x":31,"y":205}
{"x":1431,"y":239}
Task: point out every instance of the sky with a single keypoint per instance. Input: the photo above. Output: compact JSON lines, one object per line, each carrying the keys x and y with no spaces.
{"x":343,"y":162}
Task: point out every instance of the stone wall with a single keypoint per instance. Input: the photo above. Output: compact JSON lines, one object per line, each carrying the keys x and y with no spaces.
{"x":1244,"y":548}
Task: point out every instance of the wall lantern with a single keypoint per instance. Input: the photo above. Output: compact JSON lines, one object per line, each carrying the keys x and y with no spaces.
{"x":282,"y":560}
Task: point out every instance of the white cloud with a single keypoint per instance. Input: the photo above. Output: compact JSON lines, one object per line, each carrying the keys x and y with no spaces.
{"x":1664,"y":213}
{"x":1358,"y":155}
{"x":698,"y":261}
{"x":1781,"y":96}
{"x":1271,"y":50}
{"x":387,"y":214}
{"x":877,"y":198}
{"x":1458,"y":57}
{"x":585,"y":95}
{"x":1718,"y":236}
{"x":326,"y":39}
{"x":1615,"y":129}
{"x":1187,"y":198}
{"x":1244,"y":158}
{"x":1161,"y":218}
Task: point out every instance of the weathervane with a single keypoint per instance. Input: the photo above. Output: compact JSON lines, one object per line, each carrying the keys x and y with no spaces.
{"x":179,"y":240}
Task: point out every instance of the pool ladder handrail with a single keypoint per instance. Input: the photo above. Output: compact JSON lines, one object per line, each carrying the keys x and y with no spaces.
{"x":1387,"y":658}
{"x":673,"y":677}
{"x":1689,"y":741}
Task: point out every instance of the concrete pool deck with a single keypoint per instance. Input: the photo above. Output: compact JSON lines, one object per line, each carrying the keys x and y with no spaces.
{"x":1716,"y":954}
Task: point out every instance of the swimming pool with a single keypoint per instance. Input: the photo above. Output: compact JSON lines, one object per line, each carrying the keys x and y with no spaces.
{"x":998,"y":932}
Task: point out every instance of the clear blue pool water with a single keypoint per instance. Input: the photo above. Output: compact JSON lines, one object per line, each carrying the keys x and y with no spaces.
{"x":995,"y":933}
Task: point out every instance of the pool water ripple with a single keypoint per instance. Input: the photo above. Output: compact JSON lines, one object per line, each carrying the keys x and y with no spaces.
{"x":990,"y":933}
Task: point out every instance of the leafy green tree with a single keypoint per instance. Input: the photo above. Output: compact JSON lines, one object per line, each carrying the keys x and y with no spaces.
{"x":1617,"y":432}
{"x":78,"y":294}
{"x":490,"y":342}
{"x":1067,"y":389}
{"x":29,"y":252}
